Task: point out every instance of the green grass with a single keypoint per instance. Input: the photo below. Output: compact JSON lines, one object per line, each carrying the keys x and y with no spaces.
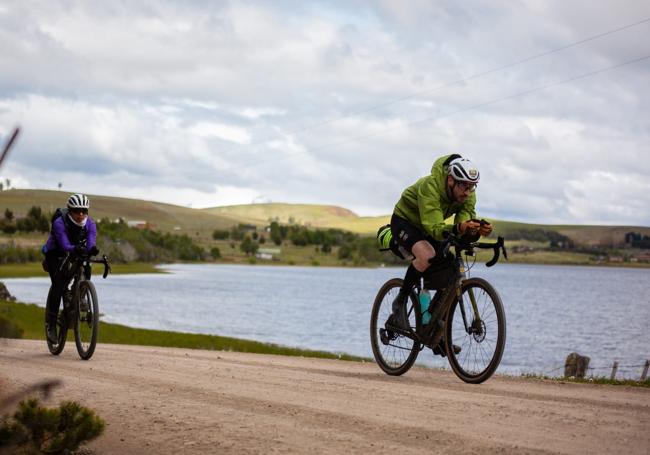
{"x":592,"y":380}
{"x":30,"y":319}
{"x":34,"y":269}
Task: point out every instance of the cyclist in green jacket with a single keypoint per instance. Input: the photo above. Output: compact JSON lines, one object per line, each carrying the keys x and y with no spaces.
{"x":418,"y":221}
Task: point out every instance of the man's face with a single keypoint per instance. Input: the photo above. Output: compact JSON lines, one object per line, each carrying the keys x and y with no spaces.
{"x":460,"y":191}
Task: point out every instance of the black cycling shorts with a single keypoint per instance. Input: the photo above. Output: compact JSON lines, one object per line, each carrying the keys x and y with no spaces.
{"x":407,"y":234}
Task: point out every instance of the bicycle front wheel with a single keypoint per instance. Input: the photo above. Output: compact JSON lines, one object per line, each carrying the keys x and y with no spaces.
{"x":61,"y":331}
{"x":395,"y":353}
{"x":476,"y":323}
{"x":86,"y":323}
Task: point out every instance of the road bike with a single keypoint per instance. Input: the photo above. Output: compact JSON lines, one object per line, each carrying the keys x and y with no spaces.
{"x":465,"y":313}
{"x":80,"y":309}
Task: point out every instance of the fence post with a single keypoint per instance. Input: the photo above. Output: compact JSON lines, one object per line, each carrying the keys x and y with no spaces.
{"x":614,"y":368}
{"x":576,"y":365}
{"x":645,"y":370}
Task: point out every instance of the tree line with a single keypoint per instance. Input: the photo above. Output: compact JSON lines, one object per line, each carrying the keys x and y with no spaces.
{"x":349,"y":246}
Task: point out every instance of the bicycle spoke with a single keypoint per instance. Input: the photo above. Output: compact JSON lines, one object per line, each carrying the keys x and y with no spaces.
{"x":480,"y":349}
{"x":395,"y":352}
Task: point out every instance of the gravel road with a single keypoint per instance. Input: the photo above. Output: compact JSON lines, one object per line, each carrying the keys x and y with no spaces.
{"x":169,"y":401}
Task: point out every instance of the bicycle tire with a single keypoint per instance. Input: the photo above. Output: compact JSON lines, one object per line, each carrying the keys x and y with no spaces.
{"x":86,"y":323}
{"x":62,"y":331}
{"x":485,"y":346}
{"x":399,"y":355}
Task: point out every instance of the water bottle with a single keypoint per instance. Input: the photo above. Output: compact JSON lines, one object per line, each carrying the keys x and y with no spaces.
{"x":425,"y":300}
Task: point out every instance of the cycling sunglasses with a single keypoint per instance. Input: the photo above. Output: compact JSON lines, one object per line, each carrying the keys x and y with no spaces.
{"x":465,"y":186}
{"x":84,"y":211}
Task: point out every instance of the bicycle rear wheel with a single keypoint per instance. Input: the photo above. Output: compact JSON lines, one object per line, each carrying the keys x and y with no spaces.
{"x":482,"y":340}
{"x":394,"y":353}
{"x":61,"y":331}
{"x":86,"y":324}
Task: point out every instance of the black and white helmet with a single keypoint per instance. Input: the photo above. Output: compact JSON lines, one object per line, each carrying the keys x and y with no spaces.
{"x":463,"y":170}
{"x":78,"y":201}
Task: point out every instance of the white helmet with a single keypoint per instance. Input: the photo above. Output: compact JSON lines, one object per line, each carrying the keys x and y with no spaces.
{"x":463,"y":170}
{"x":78,"y":201}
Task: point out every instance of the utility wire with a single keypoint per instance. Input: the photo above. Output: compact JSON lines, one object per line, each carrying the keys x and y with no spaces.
{"x":458,"y":111}
{"x":458,"y":81}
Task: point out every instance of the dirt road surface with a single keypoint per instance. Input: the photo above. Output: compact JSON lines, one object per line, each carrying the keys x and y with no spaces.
{"x":170,"y":401}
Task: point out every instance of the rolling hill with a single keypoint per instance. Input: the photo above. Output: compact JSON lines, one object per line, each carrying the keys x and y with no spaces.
{"x":201,"y":222}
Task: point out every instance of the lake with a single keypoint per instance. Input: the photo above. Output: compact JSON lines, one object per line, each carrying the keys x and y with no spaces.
{"x":600,"y":312}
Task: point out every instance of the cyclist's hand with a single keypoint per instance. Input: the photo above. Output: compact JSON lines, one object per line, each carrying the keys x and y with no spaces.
{"x":93,"y":251}
{"x":79,"y":250}
{"x":468,"y":227}
{"x":485,"y":229}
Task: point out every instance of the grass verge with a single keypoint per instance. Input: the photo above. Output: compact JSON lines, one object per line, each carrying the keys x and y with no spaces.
{"x":591,"y":380}
{"x":34,"y":269}
{"x":30,"y":317}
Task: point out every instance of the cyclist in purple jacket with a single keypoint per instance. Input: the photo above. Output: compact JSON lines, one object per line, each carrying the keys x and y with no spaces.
{"x":73,"y":232}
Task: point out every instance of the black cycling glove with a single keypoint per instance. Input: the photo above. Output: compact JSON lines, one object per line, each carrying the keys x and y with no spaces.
{"x":94,"y":251}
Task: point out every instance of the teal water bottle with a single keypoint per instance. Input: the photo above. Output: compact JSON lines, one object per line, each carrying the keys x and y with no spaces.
{"x":425,"y":300}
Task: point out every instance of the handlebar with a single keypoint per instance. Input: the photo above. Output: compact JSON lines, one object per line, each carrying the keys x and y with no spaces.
{"x":87,"y":257}
{"x":107,"y":266}
{"x":461,"y":245}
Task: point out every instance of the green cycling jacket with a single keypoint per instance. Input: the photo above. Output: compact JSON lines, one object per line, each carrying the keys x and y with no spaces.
{"x":426,"y":204}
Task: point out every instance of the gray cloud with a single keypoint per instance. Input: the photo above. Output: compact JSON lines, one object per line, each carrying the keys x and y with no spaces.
{"x":213,"y":103}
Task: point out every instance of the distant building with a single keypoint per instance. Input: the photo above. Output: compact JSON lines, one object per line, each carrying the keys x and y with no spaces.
{"x":643,"y":257}
{"x":139,"y":224}
{"x":267,"y":254}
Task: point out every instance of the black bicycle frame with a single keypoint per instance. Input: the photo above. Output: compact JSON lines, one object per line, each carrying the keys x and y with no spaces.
{"x":431,"y":334}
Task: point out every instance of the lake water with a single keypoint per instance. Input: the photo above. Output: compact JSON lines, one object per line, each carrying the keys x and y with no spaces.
{"x":603,"y":313}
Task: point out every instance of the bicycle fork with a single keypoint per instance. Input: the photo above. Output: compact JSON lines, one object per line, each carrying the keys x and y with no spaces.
{"x":476,"y":326}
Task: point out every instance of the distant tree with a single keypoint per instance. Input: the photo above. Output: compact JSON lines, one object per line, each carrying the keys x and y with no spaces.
{"x":248,"y":246}
{"x":236,"y":233}
{"x":215,"y":253}
{"x":220,"y":234}
{"x":276,"y":233}
{"x":9,"y":215}
{"x":255,"y":235}
{"x":245,"y":244}
{"x":262,"y":239}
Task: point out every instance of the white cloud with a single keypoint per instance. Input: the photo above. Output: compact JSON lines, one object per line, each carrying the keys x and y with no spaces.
{"x":225,"y":132}
{"x":340,"y":103}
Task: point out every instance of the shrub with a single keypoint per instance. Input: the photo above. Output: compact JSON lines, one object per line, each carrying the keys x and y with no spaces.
{"x":8,"y":329}
{"x":219,"y":234}
{"x":35,"y":429}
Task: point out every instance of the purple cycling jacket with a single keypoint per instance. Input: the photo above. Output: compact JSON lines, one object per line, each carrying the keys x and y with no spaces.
{"x":59,"y":239}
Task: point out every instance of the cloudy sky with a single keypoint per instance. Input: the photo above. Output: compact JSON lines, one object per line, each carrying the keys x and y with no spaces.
{"x":206,"y":103}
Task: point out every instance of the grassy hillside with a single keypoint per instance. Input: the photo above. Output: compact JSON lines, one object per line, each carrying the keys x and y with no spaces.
{"x":199,"y":223}
{"x":164,"y":217}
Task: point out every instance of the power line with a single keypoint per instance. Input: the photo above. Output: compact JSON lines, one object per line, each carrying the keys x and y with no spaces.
{"x":466,"y":109}
{"x":474,"y":76}
{"x":455,"y":82}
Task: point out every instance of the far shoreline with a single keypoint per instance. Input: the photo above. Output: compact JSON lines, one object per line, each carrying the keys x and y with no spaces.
{"x":34,"y":269}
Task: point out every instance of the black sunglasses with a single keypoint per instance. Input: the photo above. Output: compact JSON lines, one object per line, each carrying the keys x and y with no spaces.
{"x":85,"y":211}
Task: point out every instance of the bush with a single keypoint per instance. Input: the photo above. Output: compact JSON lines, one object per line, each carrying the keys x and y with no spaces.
{"x":219,"y":234}
{"x":35,"y":429}
{"x":8,"y":329}
{"x":11,"y":253}
{"x":215,"y":252}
